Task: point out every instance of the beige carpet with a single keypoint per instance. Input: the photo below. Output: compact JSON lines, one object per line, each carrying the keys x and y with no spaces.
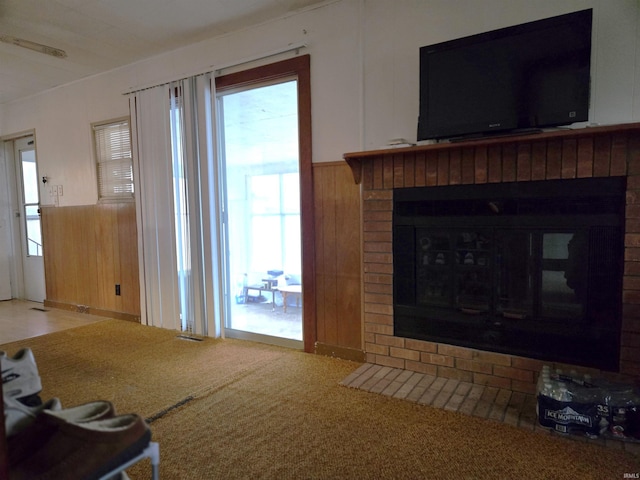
{"x":231,"y":409}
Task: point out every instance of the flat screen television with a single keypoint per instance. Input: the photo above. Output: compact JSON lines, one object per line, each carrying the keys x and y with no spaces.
{"x":519,"y":78}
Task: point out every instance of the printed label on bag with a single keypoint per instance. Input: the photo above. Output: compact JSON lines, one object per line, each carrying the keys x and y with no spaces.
{"x":568,"y":415}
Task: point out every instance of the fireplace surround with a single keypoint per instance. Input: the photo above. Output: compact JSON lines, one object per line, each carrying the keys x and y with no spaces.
{"x":589,"y":154}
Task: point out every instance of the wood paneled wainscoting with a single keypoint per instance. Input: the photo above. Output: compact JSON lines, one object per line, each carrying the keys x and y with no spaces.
{"x":88,"y":250}
{"x":338,"y":264}
{"x":612,"y":151}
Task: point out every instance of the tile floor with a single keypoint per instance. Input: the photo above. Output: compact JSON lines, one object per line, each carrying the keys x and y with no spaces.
{"x":496,"y":404}
{"x":20,"y":319}
{"x":266,"y":319}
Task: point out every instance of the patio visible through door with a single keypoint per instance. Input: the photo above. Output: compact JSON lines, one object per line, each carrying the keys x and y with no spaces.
{"x":259,"y":145}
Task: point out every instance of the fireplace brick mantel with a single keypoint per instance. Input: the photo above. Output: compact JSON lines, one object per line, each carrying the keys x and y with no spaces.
{"x":563,"y":154}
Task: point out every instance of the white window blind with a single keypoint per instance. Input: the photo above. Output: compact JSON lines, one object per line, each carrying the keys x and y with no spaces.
{"x":113,"y":153}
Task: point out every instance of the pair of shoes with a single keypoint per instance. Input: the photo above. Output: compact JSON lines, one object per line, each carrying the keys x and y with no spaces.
{"x":43,"y":426}
{"x":82,"y":450}
{"x":85,"y":450}
{"x":20,"y":378}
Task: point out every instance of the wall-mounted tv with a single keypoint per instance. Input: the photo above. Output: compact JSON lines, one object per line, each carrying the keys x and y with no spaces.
{"x":528,"y":76}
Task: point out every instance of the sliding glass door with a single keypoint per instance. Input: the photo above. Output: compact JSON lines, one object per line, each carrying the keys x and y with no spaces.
{"x":261,"y":197}
{"x":229,"y":251}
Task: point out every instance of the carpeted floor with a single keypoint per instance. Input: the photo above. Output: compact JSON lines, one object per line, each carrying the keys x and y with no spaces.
{"x":246,"y":410}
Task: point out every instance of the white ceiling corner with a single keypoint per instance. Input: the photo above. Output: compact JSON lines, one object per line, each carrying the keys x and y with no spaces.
{"x":100,"y":35}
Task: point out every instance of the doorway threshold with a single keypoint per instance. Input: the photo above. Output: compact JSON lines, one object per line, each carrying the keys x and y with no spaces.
{"x":260,"y":338}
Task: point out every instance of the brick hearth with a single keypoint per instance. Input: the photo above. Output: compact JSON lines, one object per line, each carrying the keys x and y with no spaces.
{"x":566,"y":154}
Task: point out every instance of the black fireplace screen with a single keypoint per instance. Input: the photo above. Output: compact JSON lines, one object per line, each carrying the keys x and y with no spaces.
{"x":530,"y":269}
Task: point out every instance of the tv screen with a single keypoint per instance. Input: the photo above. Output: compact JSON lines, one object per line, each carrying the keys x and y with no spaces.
{"x":528,"y":76}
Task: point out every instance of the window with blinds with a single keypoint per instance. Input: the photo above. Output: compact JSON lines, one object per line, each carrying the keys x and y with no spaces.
{"x":113,"y":154}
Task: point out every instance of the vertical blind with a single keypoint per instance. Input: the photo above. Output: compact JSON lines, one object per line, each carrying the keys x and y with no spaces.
{"x":155,"y":215}
{"x":175,"y":148}
{"x":113,"y":152}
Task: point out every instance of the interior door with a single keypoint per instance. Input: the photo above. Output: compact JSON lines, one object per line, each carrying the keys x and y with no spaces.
{"x":28,"y":211}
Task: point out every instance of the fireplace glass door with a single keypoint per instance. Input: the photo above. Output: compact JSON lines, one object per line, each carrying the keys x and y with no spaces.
{"x":515,"y":278}
{"x":513,"y":274}
{"x":455,"y":269}
{"x":530,"y":268}
{"x":564,"y":275}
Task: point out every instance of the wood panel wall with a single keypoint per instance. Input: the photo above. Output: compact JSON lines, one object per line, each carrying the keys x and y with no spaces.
{"x":87,"y":251}
{"x":338,"y":264}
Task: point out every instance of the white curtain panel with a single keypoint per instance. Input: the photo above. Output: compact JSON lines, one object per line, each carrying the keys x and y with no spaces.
{"x":183,"y":295}
{"x":202,"y":289}
{"x":153,"y":184}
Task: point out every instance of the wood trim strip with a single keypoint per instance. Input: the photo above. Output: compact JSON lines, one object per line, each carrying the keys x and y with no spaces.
{"x":546,"y":136}
{"x":521,"y":157}
{"x":69,"y":307}
{"x":346,"y":353}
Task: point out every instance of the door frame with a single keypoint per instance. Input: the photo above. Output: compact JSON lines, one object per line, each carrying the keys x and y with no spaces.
{"x":298,"y":67}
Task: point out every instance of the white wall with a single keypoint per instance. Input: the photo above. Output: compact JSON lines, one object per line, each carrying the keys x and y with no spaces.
{"x":364,"y":75}
{"x":394,"y":31}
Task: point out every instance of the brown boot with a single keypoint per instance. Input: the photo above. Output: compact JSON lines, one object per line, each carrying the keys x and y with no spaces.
{"x":47,"y":422}
{"x":85,"y":451}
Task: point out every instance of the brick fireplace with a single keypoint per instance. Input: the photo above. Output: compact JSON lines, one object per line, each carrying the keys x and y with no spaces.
{"x":566,"y":154}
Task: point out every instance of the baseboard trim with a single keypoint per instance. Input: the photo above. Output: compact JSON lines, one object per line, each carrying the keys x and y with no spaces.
{"x":346,"y":353}
{"x":92,"y":311}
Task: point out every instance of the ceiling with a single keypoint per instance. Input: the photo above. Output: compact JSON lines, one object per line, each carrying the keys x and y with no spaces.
{"x":100,"y":35}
